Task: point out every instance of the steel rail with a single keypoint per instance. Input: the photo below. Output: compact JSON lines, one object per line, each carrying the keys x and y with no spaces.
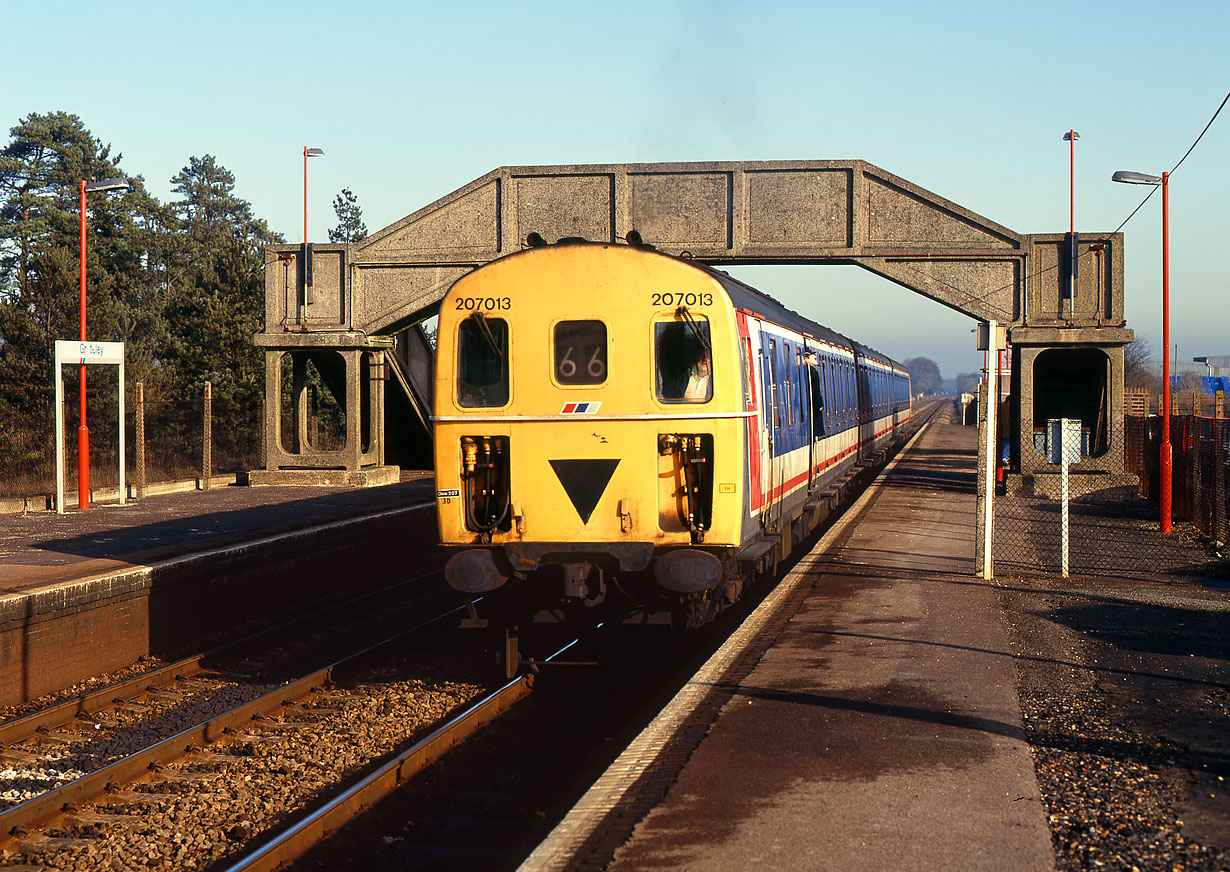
{"x":27,"y":726}
{"x":37,"y":811}
{"x":316,"y":825}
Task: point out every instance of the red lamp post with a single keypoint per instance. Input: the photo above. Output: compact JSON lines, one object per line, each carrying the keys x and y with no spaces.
{"x":83,"y":432}
{"x":1131,"y":178}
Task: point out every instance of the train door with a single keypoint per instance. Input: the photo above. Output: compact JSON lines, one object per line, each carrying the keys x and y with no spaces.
{"x":752,"y":402}
{"x":807,"y":391}
{"x":773,"y":423}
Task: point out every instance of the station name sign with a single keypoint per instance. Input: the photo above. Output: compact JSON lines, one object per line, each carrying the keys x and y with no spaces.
{"x":74,"y":351}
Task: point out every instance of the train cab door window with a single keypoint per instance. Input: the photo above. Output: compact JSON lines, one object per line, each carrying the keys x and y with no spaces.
{"x":682,"y":361}
{"x":580,"y":352}
{"x":482,"y":362}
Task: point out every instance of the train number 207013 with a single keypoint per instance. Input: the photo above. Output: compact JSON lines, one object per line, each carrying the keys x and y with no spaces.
{"x":483,"y":304}
{"x":681,"y":299}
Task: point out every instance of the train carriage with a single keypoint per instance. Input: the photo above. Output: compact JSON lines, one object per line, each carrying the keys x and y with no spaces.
{"x":609,"y":415}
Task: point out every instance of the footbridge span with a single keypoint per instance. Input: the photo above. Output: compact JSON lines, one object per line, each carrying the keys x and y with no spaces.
{"x":332,"y":312}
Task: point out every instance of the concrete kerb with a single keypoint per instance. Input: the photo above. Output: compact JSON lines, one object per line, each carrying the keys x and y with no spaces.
{"x":46,"y":502}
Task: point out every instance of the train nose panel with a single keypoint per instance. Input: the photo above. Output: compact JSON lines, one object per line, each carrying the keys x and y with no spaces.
{"x":585,"y":482}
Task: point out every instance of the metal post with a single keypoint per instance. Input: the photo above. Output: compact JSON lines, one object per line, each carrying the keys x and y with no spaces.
{"x":1071,"y":137}
{"x":123,"y":447}
{"x":140,"y":448}
{"x":1063,"y":494}
{"x":83,"y":433}
{"x":990,"y":454}
{"x":1166,"y":459}
{"x":1221,"y":512}
{"x":207,"y":442}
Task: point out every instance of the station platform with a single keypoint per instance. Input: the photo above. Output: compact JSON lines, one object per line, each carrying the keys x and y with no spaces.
{"x":98,"y":589}
{"x":865,"y":718}
{"x":44,"y":548}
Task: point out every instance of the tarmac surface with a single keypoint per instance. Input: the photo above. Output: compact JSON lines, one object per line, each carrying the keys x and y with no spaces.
{"x":44,"y":548}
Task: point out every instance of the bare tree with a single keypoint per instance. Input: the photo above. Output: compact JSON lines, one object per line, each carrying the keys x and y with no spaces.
{"x":1137,"y":368}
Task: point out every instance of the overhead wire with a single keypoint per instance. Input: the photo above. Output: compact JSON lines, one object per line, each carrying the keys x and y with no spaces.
{"x":983,"y":297}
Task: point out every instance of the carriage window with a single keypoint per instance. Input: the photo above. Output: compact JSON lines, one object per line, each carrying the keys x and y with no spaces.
{"x":789,"y":388}
{"x":580,"y":352}
{"x":482,"y":362}
{"x":681,"y":351}
{"x":777,"y":411}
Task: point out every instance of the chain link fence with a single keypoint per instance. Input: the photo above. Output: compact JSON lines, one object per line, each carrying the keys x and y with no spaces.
{"x":1113,"y":516}
{"x":166,"y":440}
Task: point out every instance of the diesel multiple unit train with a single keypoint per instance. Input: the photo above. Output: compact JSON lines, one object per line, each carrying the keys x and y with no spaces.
{"x":614,"y":421}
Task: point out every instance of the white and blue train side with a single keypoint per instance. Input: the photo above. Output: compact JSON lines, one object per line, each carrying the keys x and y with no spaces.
{"x":817,"y":404}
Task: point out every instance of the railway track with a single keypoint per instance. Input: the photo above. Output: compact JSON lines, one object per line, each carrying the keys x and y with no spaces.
{"x":199,"y":796}
{"x":501,"y":794}
{"x":314,"y":826}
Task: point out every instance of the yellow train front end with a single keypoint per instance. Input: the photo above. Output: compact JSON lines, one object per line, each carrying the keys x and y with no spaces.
{"x":589,"y":427}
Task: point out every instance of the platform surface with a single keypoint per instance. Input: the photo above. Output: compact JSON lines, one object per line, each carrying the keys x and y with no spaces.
{"x":881,"y":729}
{"x":43,"y":548}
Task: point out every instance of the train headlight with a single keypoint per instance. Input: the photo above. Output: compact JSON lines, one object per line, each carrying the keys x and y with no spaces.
{"x":688,"y":570}
{"x":473,"y":571}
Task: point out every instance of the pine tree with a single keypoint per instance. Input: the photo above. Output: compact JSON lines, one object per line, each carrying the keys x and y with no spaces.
{"x":40,"y":173}
{"x":216,"y":299}
{"x":350,"y":226}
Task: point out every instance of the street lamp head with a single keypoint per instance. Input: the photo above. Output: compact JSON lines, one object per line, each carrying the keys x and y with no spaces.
{"x":1131,"y":178}
{"x":108,"y":185}
{"x":313,"y":152}
{"x":1071,"y":136}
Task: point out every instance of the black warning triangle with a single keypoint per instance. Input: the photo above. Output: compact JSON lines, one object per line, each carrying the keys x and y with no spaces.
{"x":584,"y":481}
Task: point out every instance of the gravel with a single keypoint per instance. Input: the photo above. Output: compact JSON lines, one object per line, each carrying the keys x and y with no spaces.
{"x":1124,"y":691}
{"x":202,"y":808}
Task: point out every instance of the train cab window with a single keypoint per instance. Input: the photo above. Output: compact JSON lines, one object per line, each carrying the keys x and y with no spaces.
{"x":482,"y":362}
{"x":682,"y":361}
{"x":580,"y":352}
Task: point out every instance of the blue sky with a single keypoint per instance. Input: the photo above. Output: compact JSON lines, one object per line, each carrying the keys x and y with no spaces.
{"x":412,"y":101}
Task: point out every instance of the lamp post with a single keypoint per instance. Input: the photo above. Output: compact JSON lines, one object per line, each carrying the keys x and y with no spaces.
{"x":308,"y":152}
{"x":1132,"y":178}
{"x":83,"y":432}
{"x":1071,"y":137}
